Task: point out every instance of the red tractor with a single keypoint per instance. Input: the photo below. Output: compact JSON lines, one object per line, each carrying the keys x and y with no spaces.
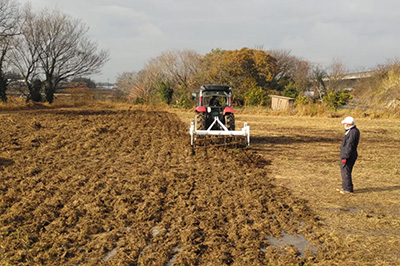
{"x":214,"y":101}
{"x":214,"y":114}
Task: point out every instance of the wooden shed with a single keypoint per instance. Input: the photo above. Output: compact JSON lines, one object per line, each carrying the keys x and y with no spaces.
{"x":281,"y":103}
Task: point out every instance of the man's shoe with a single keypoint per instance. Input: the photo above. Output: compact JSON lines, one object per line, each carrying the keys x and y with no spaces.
{"x":343,"y":192}
{"x":339,"y":189}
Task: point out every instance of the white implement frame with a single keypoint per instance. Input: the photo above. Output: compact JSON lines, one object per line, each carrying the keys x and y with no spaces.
{"x":245,"y":132}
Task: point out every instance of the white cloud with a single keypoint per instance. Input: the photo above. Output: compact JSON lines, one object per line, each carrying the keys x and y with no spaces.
{"x":121,"y":12}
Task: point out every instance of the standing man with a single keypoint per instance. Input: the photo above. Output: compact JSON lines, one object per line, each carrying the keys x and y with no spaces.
{"x":348,"y":154}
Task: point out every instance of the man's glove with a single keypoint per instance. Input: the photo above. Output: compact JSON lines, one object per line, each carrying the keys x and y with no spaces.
{"x":344,"y":161}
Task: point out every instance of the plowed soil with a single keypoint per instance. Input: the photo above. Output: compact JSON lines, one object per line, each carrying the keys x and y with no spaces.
{"x":104,"y":187}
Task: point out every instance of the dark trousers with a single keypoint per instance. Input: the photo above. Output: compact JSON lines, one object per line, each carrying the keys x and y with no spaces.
{"x":345,"y":170}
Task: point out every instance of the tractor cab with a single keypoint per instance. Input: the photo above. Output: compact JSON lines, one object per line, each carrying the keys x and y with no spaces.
{"x":214,"y":95}
{"x":210,"y":96}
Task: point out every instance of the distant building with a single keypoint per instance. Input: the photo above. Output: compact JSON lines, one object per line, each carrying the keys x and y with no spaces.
{"x":349,"y":80}
{"x":105,"y":85}
{"x":354,"y":76}
{"x":280,"y":103}
{"x":344,"y":82}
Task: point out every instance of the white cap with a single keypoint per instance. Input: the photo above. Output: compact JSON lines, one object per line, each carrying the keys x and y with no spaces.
{"x":348,"y":120}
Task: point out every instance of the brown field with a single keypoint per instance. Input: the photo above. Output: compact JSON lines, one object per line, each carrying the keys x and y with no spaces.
{"x":122,"y":186}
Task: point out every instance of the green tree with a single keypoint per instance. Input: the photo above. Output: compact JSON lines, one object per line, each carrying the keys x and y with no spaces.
{"x":255,"y":96}
{"x":3,"y":79}
{"x":337,"y":99}
{"x":35,"y":91}
{"x":165,"y":91}
{"x":290,"y":90}
{"x":243,"y":70}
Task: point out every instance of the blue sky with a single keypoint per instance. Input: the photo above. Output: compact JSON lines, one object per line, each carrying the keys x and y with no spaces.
{"x":359,"y":33}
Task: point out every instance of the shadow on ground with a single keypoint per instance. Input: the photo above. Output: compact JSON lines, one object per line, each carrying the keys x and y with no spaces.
{"x":376,"y":189}
{"x":291,"y":140}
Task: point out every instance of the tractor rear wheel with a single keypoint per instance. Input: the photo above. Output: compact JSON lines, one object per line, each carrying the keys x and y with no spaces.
{"x":230,"y":121}
{"x":200,"y":121}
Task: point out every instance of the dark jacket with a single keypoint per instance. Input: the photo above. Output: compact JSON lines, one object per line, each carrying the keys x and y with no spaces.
{"x":348,"y":150}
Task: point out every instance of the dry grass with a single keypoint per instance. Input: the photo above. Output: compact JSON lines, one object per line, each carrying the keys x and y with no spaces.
{"x":304,"y":155}
{"x":307,"y":162}
{"x":75,"y":101}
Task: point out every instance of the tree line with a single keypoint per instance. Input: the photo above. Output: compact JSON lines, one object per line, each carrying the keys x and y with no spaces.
{"x":253,"y":74}
{"x":44,"y":49}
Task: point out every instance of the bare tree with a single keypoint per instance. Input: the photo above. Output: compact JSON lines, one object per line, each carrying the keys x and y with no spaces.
{"x":182,"y":66}
{"x":9,"y":25}
{"x":179,"y":68}
{"x":301,"y":75}
{"x":285,"y":61}
{"x":126,"y":81}
{"x":129,"y":84}
{"x":9,"y":18}
{"x":291,"y":68}
{"x":337,"y":71}
{"x":318,"y":76}
{"x":64,"y":49}
{"x":26,"y":54}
